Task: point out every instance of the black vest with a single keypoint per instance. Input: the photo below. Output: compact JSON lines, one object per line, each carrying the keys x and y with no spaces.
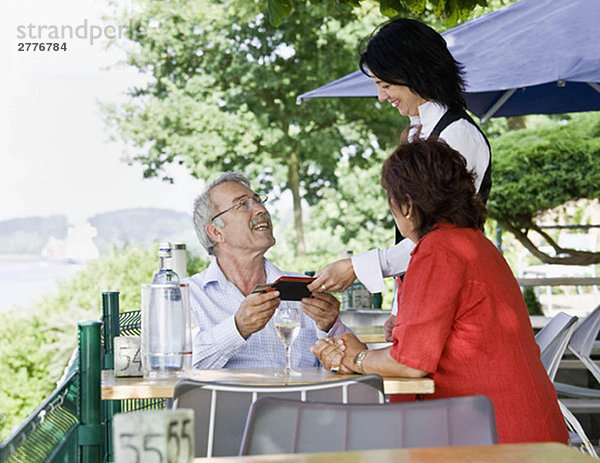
{"x":448,"y":118}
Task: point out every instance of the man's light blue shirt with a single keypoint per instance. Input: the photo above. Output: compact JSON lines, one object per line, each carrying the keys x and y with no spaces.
{"x":217,"y":343}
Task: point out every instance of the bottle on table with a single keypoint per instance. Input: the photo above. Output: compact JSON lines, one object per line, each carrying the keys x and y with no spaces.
{"x":165,"y":320}
{"x":357,"y":296}
{"x":360,"y":297}
{"x":165,"y":273}
{"x":377,"y":300}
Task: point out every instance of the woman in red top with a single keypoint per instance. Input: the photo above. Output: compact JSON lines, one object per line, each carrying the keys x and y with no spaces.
{"x":461,"y":318}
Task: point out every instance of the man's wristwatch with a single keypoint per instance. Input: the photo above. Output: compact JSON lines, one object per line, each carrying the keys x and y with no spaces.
{"x":358,"y":361}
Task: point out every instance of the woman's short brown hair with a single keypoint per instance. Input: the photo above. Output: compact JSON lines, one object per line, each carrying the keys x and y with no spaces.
{"x":435,"y":178}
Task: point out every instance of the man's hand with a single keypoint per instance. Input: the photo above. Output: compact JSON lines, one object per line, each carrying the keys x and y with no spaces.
{"x":255,"y":312}
{"x":330,"y":352}
{"x":388,"y":327}
{"x":323,"y":308}
{"x":334,"y":277}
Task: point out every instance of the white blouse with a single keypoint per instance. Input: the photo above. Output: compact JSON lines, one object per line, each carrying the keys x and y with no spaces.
{"x":372,"y":266}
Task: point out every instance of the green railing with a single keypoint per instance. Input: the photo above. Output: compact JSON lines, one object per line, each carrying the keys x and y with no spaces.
{"x":73,"y":425}
{"x":119,"y":324}
{"x":66,"y":427}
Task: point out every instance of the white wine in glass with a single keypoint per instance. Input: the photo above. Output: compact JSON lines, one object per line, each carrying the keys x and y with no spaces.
{"x":287,"y":326}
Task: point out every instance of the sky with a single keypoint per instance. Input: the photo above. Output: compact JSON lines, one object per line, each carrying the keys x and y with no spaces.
{"x":55,"y":152}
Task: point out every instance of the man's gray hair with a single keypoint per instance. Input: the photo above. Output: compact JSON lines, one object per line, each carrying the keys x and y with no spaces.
{"x":204,"y":209}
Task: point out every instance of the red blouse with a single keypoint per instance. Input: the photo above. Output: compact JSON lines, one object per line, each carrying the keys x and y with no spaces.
{"x":462,"y":318}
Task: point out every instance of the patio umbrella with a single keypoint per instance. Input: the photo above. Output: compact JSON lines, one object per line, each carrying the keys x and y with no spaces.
{"x":530,"y":57}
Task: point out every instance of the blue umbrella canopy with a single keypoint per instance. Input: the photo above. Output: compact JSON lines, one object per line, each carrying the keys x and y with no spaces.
{"x":530,"y":57}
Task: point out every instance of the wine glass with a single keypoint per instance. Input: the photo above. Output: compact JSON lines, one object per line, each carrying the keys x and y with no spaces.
{"x":287,"y":326}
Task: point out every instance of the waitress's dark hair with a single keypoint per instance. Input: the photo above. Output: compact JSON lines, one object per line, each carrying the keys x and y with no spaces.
{"x":405,"y":51}
{"x":435,"y":178}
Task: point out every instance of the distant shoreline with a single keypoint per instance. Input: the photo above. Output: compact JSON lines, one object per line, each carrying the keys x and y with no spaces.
{"x":24,"y":278}
{"x":20,"y":256}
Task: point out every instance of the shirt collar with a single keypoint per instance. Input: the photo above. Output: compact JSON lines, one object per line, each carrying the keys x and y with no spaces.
{"x":214,"y":274}
{"x":430,"y":113}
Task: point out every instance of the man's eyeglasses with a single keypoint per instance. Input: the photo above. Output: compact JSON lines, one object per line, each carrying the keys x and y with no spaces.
{"x":244,"y":204}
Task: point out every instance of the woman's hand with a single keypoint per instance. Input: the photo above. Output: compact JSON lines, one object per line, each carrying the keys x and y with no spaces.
{"x":334,"y":277}
{"x":330,"y":352}
{"x":388,"y":327}
{"x":353,"y":348}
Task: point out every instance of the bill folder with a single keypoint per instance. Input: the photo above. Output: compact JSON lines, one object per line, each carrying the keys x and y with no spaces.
{"x":290,"y":288}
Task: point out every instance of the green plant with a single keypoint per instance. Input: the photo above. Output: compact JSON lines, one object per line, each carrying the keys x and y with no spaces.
{"x":531,"y":301}
{"x":37,"y":341}
{"x":538,"y":169}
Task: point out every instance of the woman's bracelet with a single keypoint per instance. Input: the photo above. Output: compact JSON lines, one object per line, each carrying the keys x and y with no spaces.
{"x":358,"y":361}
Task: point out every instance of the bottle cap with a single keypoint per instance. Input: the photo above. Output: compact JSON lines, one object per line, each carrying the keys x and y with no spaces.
{"x":164,"y":249}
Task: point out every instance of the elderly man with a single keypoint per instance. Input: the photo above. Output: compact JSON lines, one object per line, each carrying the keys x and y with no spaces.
{"x":236,"y":329}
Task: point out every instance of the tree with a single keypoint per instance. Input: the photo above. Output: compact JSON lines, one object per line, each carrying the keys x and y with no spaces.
{"x":535,"y":170}
{"x":451,"y":11}
{"x":223,"y":88}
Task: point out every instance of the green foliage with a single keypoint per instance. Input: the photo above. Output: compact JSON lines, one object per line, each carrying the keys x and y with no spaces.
{"x":223,"y":94}
{"x":538,"y":169}
{"x":25,"y":380}
{"x":531,"y":301}
{"x":451,"y":11}
{"x":37,"y":341}
{"x":352,"y":216}
{"x":355,"y":213}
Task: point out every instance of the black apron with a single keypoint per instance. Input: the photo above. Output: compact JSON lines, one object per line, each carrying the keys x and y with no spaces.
{"x":448,"y":118}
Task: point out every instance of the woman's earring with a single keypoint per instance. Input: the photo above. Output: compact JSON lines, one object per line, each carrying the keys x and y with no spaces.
{"x":407,"y":216}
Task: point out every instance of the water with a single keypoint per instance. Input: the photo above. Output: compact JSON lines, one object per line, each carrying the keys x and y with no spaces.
{"x":26,"y":278}
{"x":163,"y":329}
{"x":287,"y":332}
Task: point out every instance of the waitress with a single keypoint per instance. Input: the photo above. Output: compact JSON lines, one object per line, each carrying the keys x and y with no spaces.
{"x":415,"y":72}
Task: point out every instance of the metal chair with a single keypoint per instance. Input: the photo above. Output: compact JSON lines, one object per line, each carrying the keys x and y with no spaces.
{"x":583,"y":339}
{"x":581,"y":345}
{"x":220,"y":409}
{"x":277,"y":425}
{"x":553,"y":340}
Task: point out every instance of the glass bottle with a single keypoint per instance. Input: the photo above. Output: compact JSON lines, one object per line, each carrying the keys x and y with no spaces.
{"x":347,"y":300}
{"x":165,"y":272}
{"x":166,"y":317}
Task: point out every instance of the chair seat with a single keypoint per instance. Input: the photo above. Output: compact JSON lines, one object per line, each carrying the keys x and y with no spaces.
{"x":220,"y":409}
{"x":277,"y":425}
{"x":577,"y":391}
{"x":582,"y":405}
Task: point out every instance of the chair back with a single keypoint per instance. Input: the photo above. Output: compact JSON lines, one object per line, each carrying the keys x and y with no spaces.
{"x":220,"y":410}
{"x":553,"y":343}
{"x":583,"y":338}
{"x":553,"y":339}
{"x":585,"y":334}
{"x":286,"y":426}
